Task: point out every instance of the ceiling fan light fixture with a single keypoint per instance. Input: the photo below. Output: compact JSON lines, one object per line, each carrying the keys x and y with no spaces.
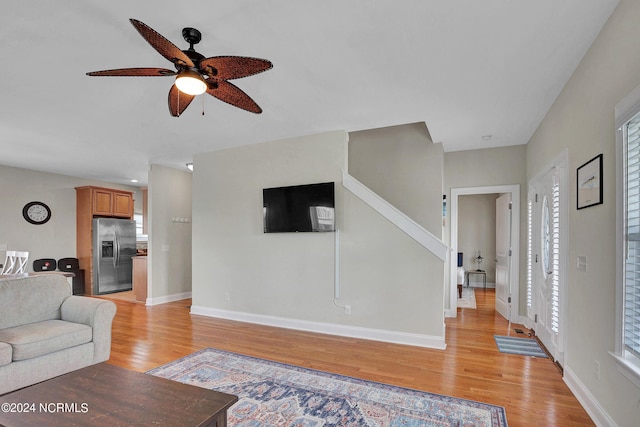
{"x":191,"y":83}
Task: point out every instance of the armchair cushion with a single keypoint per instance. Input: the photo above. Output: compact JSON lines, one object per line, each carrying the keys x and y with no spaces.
{"x":37,"y":339}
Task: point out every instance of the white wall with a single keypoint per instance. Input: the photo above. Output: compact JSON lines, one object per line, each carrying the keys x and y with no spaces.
{"x":170,"y":229}
{"x":403,"y":166}
{"x":57,"y":238}
{"x":485,"y":168}
{"x":393,"y":285}
{"x":582,"y":120}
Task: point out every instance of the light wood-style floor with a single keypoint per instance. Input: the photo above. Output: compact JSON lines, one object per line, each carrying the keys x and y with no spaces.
{"x":530,"y":389}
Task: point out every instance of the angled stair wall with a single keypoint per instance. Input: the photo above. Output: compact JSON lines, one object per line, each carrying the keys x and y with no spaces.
{"x":402,"y":221}
{"x":399,"y":171}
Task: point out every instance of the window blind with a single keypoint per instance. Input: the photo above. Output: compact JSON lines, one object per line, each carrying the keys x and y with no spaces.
{"x":529,"y":253}
{"x":632,"y":238}
{"x":555,"y":257}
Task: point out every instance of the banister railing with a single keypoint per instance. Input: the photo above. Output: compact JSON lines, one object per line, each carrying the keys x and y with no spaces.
{"x":399,"y":219}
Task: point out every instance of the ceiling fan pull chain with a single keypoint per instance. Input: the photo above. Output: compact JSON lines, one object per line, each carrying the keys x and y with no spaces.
{"x":202,"y":105}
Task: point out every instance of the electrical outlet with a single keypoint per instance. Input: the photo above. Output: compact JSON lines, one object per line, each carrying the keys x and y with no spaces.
{"x":227,"y":297}
{"x":596,"y":367}
{"x":347,"y":309}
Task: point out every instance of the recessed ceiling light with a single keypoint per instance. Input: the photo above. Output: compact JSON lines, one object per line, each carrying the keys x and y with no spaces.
{"x":190,"y":166}
{"x":487,"y":137}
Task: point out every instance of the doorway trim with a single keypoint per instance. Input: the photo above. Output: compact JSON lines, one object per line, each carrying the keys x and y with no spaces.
{"x":514,"y":275}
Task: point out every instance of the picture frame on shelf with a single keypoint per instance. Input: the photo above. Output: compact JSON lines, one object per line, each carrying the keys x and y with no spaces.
{"x":589,"y":183}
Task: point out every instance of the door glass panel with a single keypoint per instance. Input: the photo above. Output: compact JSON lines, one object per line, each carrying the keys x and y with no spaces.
{"x":546,"y":237}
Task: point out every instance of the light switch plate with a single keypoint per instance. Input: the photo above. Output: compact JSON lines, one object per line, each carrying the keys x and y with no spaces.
{"x":582,"y":263}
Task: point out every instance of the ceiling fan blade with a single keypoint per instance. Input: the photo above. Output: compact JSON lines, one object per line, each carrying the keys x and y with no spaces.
{"x":233,"y":95}
{"x":134,"y":72}
{"x":178,"y":101}
{"x":162,"y":45}
{"x":233,"y":67}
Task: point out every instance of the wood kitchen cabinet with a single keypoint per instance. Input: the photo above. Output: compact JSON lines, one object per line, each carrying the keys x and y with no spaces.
{"x":96,"y":202}
{"x":112,"y":203}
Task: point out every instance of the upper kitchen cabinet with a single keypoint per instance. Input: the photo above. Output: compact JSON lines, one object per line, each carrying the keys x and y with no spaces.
{"x":107,"y":201}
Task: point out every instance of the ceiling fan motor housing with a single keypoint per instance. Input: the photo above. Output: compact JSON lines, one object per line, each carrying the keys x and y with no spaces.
{"x":191,"y":35}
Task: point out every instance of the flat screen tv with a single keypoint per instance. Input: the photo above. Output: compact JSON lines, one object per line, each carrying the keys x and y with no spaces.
{"x":299,"y":208}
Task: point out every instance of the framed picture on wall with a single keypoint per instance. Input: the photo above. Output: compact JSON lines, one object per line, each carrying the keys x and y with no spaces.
{"x":590,"y":183}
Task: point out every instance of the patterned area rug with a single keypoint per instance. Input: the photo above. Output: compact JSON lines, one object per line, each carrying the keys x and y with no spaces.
{"x":274,"y":394}
{"x":468,"y":299}
{"x":522,"y":346}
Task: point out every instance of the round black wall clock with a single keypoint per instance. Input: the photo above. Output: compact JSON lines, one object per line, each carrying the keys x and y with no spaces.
{"x":36,"y":213}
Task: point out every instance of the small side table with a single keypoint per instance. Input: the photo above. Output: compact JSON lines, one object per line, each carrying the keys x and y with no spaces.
{"x":481,"y":272}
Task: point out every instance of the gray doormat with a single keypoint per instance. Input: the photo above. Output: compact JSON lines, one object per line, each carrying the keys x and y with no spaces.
{"x":522,"y":346}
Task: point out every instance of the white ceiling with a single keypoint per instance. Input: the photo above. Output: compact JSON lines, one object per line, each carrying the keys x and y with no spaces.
{"x":467,"y":68}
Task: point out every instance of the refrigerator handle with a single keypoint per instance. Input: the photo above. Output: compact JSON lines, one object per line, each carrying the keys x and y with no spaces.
{"x":116,"y":255}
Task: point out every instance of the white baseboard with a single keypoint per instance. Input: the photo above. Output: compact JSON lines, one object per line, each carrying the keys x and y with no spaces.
{"x":587,"y":400}
{"x":167,"y":298}
{"x":417,"y":340}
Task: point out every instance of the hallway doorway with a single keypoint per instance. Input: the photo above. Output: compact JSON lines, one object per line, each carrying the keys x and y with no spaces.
{"x":512,"y":276}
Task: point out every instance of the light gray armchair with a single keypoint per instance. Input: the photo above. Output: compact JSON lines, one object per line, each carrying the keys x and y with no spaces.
{"x":45,"y":331}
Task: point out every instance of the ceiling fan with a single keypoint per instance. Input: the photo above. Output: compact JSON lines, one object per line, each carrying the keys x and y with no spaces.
{"x":194,"y":73}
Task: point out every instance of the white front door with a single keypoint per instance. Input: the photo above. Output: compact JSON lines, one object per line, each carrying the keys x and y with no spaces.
{"x":545,"y":281}
{"x":503,"y":255}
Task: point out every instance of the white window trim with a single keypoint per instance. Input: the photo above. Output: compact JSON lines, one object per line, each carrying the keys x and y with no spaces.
{"x":627,"y":365}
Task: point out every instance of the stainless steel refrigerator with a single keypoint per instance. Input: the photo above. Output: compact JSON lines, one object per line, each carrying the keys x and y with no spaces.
{"x":114,"y":244}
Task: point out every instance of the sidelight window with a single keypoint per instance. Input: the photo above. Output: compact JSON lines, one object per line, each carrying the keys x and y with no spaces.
{"x":554,"y":243}
{"x":529,"y":254}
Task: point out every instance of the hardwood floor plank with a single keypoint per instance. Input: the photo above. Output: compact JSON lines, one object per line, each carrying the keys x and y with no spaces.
{"x":531,"y":389}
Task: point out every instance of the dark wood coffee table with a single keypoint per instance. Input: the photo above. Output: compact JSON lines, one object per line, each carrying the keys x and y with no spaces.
{"x":106,"y":395}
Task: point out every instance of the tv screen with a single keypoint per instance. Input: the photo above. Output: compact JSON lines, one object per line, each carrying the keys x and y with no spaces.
{"x":299,"y":208}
